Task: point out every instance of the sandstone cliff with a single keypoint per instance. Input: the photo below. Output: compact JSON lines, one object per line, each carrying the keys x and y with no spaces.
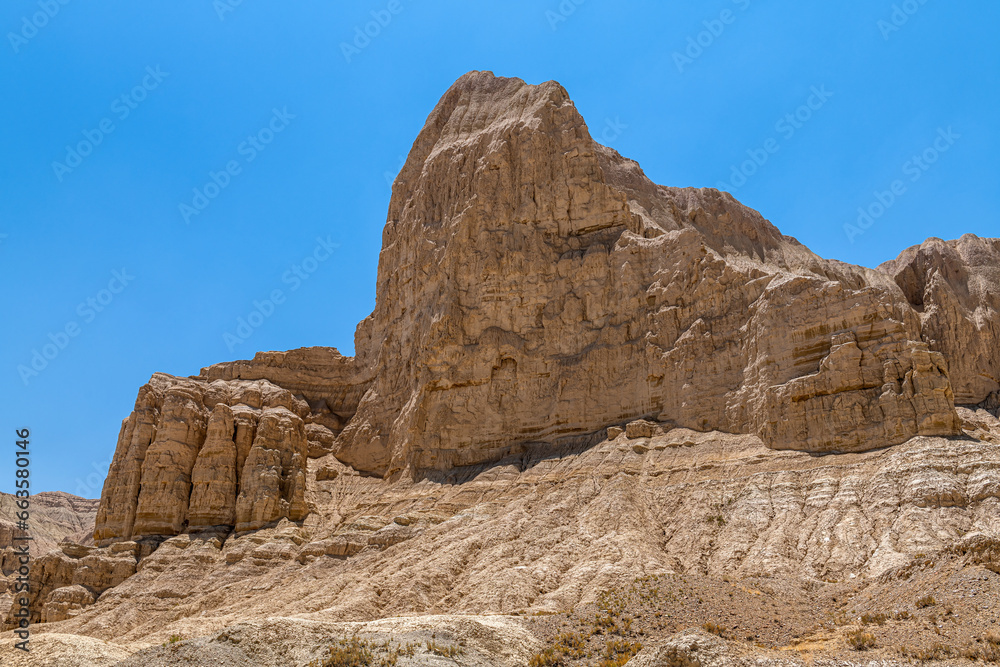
{"x":534,"y":288}
{"x":198,"y":455}
{"x":573,"y":378}
{"x":953,"y":285}
{"x":55,"y":516}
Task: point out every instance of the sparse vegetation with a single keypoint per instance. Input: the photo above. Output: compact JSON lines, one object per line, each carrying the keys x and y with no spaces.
{"x":571,"y":645}
{"x":351,"y":652}
{"x":860,"y":640}
{"x":926,"y":601}
{"x":547,"y":658}
{"x":874,"y":619}
{"x":935,"y":652}
{"x":986,"y":649}
{"x":445,"y":650}
{"x":568,"y":645}
{"x":989,"y":649}
{"x":355,"y":652}
{"x":617,"y":652}
{"x":715,"y":629}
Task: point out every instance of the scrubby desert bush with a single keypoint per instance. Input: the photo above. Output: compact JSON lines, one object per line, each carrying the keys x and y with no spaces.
{"x":618,"y":652}
{"x":355,"y":652}
{"x":860,"y":640}
{"x":714,"y":628}
{"x":874,"y":619}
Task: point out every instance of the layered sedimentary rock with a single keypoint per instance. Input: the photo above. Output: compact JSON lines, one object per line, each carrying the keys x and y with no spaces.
{"x":534,"y":285}
{"x":535,"y":288}
{"x":199,"y":455}
{"x":955,"y":287}
{"x":548,"y":534}
{"x":55,"y":516}
{"x":64,"y":581}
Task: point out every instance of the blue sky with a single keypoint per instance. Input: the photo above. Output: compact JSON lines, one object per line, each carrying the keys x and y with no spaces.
{"x":805,"y":111}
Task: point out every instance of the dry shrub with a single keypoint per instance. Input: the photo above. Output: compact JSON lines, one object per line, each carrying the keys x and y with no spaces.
{"x":860,"y":640}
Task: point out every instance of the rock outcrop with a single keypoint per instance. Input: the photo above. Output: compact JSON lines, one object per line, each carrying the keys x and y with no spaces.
{"x":64,"y":581}
{"x":955,"y":287}
{"x":548,"y":534}
{"x":55,"y":516}
{"x":198,"y":455}
{"x":534,"y":289}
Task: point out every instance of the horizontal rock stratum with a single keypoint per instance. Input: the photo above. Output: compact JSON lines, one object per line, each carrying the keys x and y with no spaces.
{"x":534,"y":289}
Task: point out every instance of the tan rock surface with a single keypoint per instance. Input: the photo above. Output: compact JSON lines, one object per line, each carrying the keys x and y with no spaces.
{"x":537,"y":293}
{"x":61,"y":650}
{"x":955,"y":286}
{"x":197,"y":455}
{"x":55,"y":516}
{"x":534,"y":289}
{"x":550,"y":533}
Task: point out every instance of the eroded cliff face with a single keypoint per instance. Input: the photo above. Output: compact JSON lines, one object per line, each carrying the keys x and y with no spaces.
{"x":535,"y":288}
{"x":955,"y":287}
{"x":196,"y":455}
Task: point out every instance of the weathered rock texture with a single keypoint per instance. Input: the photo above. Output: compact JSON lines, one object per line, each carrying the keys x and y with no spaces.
{"x":547,"y":534}
{"x":534,"y":289}
{"x":955,"y":287}
{"x":55,"y":516}
{"x":198,"y":455}
{"x":57,"y":520}
{"x":64,"y":581}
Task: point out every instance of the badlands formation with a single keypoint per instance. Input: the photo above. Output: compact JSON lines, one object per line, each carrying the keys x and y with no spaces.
{"x":591,"y":420}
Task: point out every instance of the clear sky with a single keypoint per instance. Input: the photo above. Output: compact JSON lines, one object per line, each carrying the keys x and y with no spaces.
{"x":165,"y":164}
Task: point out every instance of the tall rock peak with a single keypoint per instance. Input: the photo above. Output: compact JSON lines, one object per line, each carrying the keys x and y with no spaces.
{"x":535,"y":288}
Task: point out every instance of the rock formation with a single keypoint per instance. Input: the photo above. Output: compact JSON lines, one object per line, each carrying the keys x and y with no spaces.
{"x":55,"y":516}
{"x":575,"y":385}
{"x":198,"y":455}
{"x":953,"y":285}
{"x":535,"y":288}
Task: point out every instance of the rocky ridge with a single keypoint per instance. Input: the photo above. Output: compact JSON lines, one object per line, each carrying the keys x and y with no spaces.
{"x":572,"y":377}
{"x":535,"y":288}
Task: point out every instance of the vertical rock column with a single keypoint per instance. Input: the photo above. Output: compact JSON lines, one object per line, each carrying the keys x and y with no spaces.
{"x":116,"y":514}
{"x":245,"y":429}
{"x":214,"y":479}
{"x":166,"y":471}
{"x":272,"y":483}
